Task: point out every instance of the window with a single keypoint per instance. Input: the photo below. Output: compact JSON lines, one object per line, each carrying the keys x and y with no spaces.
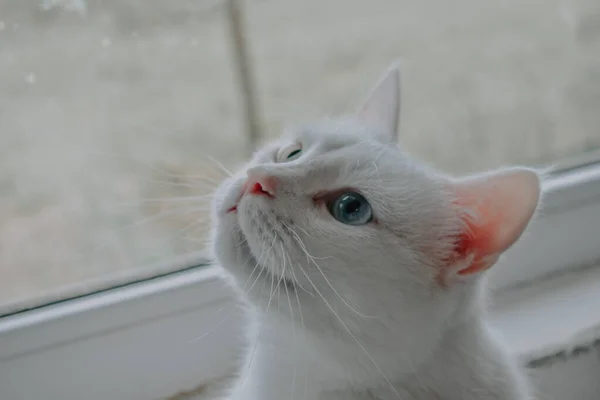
{"x":118,"y":116}
{"x":111,"y":112}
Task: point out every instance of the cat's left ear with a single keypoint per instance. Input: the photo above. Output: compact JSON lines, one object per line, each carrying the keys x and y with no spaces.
{"x":495,"y":208}
{"x":382,"y":107}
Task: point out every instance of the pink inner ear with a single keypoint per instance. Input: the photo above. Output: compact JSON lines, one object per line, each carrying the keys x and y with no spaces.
{"x":495,"y":209}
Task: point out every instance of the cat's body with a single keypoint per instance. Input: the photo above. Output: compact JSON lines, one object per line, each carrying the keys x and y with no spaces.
{"x":362,"y":267}
{"x":460,"y":368}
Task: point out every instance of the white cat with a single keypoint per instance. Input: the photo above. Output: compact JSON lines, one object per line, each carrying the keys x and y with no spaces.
{"x":363,"y":268}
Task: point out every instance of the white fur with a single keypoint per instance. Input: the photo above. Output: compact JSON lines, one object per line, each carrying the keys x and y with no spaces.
{"x":362,"y":315}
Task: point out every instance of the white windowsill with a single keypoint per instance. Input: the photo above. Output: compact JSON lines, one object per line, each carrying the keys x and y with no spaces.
{"x":146,"y":334}
{"x":138,"y":341}
{"x":554,"y":318}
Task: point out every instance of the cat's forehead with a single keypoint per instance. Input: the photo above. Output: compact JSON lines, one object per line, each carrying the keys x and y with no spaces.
{"x":334,"y":143}
{"x":329,"y":133}
{"x":322,"y":138}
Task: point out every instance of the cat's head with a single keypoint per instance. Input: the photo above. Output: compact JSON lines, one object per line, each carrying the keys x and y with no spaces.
{"x":335,"y":221}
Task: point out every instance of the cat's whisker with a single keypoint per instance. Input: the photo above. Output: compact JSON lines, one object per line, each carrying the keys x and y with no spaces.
{"x":311,"y":258}
{"x":262,"y":269}
{"x":238,"y":244}
{"x":144,"y":221}
{"x":376,"y":171}
{"x":308,"y":235}
{"x":220,"y":165}
{"x":260,"y":326}
{"x":197,"y":179}
{"x":206,"y":180}
{"x":181,"y":199}
{"x":245,"y":376}
{"x":218,"y":324}
{"x":287,"y":292}
{"x":167,"y":183}
{"x":256,"y":265}
{"x":351,"y":334}
{"x":273,"y":290}
{"x":147,"y":165}
{"x":276,"y":290}
{"x":295,"y":280}
{"x":279,"y":285}
{"x":260,"y":272}
{"x":257,"y":337}
{"x":297,"y":283}
{"x":192,"y":226}
{"x":302,"y":229}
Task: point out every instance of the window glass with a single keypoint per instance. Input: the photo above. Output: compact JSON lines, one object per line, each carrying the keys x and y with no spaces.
{"x":118,"y":116}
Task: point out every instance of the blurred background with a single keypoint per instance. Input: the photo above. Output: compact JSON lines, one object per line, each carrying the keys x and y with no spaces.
{"x":116,"y":115}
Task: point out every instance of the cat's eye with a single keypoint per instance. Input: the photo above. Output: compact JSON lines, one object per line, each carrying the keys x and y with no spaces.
{"x":289,"y":153}
{"x":351,"y":208}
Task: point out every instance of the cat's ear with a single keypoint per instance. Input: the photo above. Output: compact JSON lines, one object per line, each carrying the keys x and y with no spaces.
{"x":495,"y":209}
{"x":382,"y":107}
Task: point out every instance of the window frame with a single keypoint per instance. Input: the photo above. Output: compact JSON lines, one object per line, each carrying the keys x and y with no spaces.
{"x":570,"y":203}
{"x":133,"y":335}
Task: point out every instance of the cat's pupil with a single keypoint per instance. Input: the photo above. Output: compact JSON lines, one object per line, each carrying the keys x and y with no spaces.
{"x":293,"y":153}
{"x":353,"y":206}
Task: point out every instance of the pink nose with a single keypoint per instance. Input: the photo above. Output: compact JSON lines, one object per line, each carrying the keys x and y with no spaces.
{"x":260,"y":185}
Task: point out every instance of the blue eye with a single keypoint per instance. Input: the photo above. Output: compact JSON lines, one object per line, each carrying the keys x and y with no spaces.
{"x":351,"y":209}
